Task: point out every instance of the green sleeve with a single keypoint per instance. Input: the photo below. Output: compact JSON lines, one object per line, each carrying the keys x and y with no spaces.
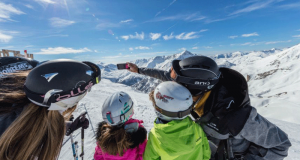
{"x":206,"y":148}
{"x":150,"y":152}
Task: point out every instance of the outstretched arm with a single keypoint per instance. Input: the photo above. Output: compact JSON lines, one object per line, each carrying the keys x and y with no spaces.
{"x":155,"y":73}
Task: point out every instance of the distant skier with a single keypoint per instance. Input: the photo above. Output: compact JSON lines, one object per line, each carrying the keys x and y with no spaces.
{"x":119,"y":136}
{"x":222,"y":107}
{"x":32,"y":124}
{"x":175,"y":135}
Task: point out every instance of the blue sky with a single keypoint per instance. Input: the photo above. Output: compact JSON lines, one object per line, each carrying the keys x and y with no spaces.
{"x":114,"y":31}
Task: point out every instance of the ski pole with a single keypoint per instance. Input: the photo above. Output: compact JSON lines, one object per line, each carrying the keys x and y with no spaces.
{"x":82,"y":143}
{"x":82,"y":135}
{"x":90,"y":120}
{"x":73,"y":147}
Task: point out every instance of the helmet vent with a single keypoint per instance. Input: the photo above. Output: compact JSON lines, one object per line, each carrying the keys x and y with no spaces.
{"x":121,"y":95}
{"x":120,"y":100}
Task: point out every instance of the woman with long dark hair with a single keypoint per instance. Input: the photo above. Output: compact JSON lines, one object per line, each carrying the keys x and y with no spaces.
{"x":33,"y":123}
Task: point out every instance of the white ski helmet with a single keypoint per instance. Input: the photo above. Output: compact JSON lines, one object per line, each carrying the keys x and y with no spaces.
{"x":172,"y":101}
{"x":117,"y":109}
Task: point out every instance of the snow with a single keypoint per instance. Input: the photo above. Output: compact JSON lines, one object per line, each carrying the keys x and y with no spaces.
{"x":144,"y":111}
{"x":273,"y":88}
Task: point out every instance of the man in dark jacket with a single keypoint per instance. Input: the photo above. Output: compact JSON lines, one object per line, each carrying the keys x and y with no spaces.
{"x":222,"y":108}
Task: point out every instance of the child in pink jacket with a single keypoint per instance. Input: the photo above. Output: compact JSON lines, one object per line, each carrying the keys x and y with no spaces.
{"x":119,"y":137}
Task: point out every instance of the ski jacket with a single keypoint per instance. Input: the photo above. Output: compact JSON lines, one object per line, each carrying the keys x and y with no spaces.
{"x":178,"y":139}
{"x":135,"y":152}
{"x":229,"y":116}
{"x":7,"y":118}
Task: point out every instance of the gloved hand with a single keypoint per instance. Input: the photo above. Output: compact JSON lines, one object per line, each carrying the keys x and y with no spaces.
{"x":80,"y":121}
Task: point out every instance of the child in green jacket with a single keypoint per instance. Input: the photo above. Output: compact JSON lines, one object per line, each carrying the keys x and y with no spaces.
{"x":175,"y":135}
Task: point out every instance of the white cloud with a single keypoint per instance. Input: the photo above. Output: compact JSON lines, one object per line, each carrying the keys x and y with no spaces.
{"x":131,"y":49}
{"x":142,"y":48}
{"x":233,"y":37}
{"x":195,"y":48}
{"x":154,"y":36}
{"x":297,"y":36}
{"x":59,"y":23}
{"x":207,"y":47}
{"x":166,"y":37}
{"x":7,"y":10}
{"x":182,"y":49}
{"x":290,"y":6}
{"x":199,"y":18}
{"x":136,"y":36}
{"x":126,"y":21}
{"x":250,"y":34}
{"x":248,"y":44}
{"x":203,"y":30}
{"x":183,"y":17}
{"x":298,"y":30}
{"x":55,"y":35}
{"x":62,"y":50}
{"x":96,"y":51}
{"x":275,"y":42}
{"x":125,"y":37}
{"x":158,"y":13}
{"x":5,"y":38}
{"x":29,"y":6}
{"x":45,"y":1}
{"x":190,"y":35}
{"x":253,"y":7}
{"x":120,"y":54}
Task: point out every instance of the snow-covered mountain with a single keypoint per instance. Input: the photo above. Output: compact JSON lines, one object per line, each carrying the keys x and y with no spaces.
{"x":274,"y":77}
{"x":273,"y":86}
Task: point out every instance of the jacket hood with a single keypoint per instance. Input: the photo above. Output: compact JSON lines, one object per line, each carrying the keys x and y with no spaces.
{"x":177,"y":133}
{"x":228,"y":107}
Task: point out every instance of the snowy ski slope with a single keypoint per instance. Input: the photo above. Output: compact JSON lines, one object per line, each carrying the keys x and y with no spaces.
{"x":144,"y":111}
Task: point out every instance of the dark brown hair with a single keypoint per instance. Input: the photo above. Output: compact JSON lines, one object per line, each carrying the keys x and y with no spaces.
{"x":11,"y":92}
{"x":114,"y":140}
{"x":151,"y":97}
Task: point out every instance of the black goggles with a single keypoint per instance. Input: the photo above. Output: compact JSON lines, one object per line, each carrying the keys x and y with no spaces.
{"x":96,"y":72}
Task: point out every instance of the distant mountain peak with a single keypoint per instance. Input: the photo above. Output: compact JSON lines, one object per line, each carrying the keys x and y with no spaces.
{"x":186,"y":52}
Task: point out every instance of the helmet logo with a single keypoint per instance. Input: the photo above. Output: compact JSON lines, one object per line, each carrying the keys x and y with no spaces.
{"x":19,"y":66}
{"x":49,"y":76}
{"x":202,"y":83}
{"x":164,"y":98}
{"x":72,"y":94}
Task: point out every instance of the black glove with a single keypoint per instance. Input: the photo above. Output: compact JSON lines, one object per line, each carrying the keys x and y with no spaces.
{"x":80,"y":121}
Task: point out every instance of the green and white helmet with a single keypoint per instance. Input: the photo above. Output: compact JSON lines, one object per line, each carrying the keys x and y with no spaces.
{"x":172,"y":101}
{"x":117,"y":109}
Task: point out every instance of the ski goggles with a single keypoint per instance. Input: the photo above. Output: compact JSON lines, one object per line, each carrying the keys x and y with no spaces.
{"x":119,"y":119}
{"x":179,"y":114}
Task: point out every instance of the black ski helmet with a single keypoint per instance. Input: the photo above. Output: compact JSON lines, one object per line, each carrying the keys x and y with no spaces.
{"x":60,"y":84}
{"x":198,"y":73}
{"x":14,"y":64}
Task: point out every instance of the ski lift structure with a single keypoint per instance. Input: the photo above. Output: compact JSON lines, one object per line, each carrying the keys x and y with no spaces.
{"x":5,"y":53}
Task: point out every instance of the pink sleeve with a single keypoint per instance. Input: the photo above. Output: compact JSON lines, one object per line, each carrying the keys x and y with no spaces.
{"x":98,"y":153}
{"x":141,"y":150}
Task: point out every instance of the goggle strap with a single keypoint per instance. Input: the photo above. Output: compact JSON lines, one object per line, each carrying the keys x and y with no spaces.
{"x":179,"y":114}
